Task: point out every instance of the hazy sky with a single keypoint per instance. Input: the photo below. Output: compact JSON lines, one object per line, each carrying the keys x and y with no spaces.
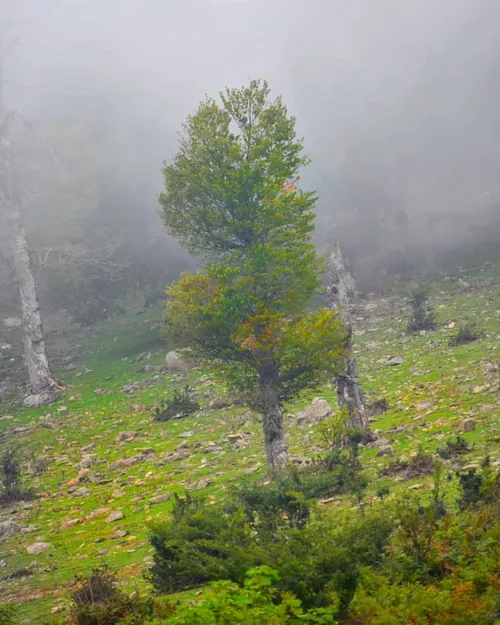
{"x":397,"y":99}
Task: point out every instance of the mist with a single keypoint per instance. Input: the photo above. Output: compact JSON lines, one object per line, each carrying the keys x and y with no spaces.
{"x":397,"y":103}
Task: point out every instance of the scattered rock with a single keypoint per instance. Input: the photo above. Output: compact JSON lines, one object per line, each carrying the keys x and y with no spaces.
{"x":317,"y":411}
{"x":9,"y":528}
{"x":185,"y":435}
{"x":67,"y":523}
{"x":103,"y":552}
{"x":12,"y":322}
{"x":395,"y":360}
{"x":153,"y":369}
{"x":117,"y":493}
{"x":86,"y":461}
{"x":203,"y":484}
{"x":468,"y":425}
{"x":234,"y":438}
{"x":119,"y":534}
{"x":160,"y":498}
{"x":388,"y":450}
{"x":99,"y":512}
{"x":175,"y":362}
{"x":37,"y":548}
{"x":125,"y":437}
{"x":83,"y":491}
{"x":380,"y":442}
{"x":38,"y":401}
{"x":115,"y":516}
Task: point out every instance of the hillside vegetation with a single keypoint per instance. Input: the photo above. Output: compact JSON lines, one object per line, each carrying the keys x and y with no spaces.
{"x":102,"y":470}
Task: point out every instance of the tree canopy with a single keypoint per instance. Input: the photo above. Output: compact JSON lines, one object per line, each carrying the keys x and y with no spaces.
{"x":231,"y":194}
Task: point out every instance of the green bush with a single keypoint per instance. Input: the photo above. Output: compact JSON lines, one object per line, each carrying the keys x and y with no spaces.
{"x":479,"y":488}
{"x":423,"y":316}
{"x":11,"y":487}
{"x":97,"y":601}
{"x":453,"y":448}
{"x":256,"y":603}
{"x":466,"y":333}
{"x":181,"y":404}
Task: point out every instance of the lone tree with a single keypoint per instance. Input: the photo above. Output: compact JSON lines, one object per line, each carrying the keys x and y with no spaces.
{"x":231,"y":195}
{"x":12,"y":190}
{"x":341,"y":291}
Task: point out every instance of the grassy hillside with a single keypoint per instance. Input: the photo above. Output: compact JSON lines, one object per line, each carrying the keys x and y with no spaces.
{"x":105,"y":454}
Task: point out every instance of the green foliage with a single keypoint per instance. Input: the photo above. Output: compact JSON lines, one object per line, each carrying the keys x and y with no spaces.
{"x":257,"y":602}
{"x":479,"y":488}
{"x":419,"y":465}
{"x":8,"y":615}
{"x":466,"y":333}
{"x":227,"y":196}
{"x":423,"y":315}
{"x":97,"y":601}
{"x":181,"y":404}
{"x":453,"y":448}
{"x":11,"y":488}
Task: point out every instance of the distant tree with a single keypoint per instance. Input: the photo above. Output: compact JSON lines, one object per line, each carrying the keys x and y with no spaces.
{"x":231,"y":194}
{"x":12,"y":196}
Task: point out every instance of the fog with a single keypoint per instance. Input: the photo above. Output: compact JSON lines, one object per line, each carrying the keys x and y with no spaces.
{"x":397,"y":102}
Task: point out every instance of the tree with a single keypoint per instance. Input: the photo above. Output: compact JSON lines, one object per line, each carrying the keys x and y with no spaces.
{"x":341,"y":289}
{"x":231,"y":195}
{"x":11,"y":203}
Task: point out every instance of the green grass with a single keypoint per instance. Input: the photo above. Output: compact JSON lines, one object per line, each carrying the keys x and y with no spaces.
{"x":435,"y":388}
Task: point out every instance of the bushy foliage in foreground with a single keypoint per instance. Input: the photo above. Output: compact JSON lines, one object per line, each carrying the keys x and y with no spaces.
{"x":277,"y":557}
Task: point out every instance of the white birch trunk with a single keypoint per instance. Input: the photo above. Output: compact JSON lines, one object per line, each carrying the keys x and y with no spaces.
{"x":341,"y":289}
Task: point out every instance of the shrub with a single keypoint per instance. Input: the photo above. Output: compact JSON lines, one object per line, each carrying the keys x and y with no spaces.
{"x":467,"y":333}
{"x":454,"y":448}
{"x":418,"y":466}
{"x":97,"y":601}
{"x":201,"y":543}
{"x":8,"y":615}
{"x":479,"y":488}
{"x":423,"y":315}
{"x":11,"y":475}
{"x":258,"y":602}
{"x":181,"y":404}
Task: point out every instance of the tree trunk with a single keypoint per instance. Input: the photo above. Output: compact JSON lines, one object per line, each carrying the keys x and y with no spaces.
{"x":274,"y":431}
{"x":340,"y":290}
{"x":34,"y":345}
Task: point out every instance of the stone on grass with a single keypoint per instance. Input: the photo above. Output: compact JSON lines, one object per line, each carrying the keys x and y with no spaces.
{"x":394,"y":361}
{"x":83,"y":491}
{"x":468,"y":425}
{"x":41,"y":399}
{"x":175,"y":362}
{"x":125,"y":437}
{"x":37,"y":548}
{"x":9,"y":528}
{"x":318,"y":410}
{"x":385,"y":451}
{"x":114,"y":516}
{"x":380,"y":442}
{"x":160,"y":498}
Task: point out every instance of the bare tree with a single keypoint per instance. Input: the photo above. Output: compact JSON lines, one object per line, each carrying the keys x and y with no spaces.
{"x":341,"y":292}
{"x":12,"y":192}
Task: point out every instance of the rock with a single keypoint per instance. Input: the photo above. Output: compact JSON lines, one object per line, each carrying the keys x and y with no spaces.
{"x":185,"y":435}
{"x":117,"y":493}
{"x":175,"y":362}
{"x":160,"y":498}
{"x":71,"y":367}
{"x":115,"y":516}
{"x":88,"y":447}
{"x":103,"y":552}
{"x":30,"y":529}
{"x":385,"y":451}
{"x":83,"y":491}
{"x":62,"y":410}
{"x":67,"y":523}
{"x":38,"y":401}
{"x":37,"y":548}
{"x":9,"y":528}
{"x":317,"y":411}
{"x":234,"y":438}
{"x":395,"y":360}
{"x":468,"y":425}
{"x":125,"y":462}
{"x":380,"y":442}
{"x":203,"y":484}
{"x":99,"y":512}
{"x":125,"y":437}
{"x":85,"y":462}
{"x":119,"y":534}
